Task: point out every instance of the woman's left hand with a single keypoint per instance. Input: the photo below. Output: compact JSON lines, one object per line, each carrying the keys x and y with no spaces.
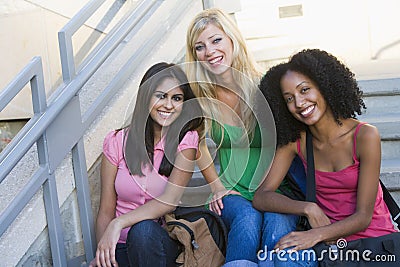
{"x":105,"y":253}
{"x":298,"y":240}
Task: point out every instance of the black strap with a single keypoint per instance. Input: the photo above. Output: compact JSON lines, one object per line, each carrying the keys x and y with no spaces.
{"x":310,"y":193}
{"x":391,"y":204}
{"x":310,"y":190}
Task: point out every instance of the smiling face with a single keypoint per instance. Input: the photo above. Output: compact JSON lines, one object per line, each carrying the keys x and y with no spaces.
{"x":303,"y":98}
{"x":215,"y":49}
{"x":166,"y":103}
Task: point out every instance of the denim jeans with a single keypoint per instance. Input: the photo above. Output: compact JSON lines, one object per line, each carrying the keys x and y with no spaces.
{"x":147,"y":244}
{"x":251,"y":232}
{"x":275,"y":226}
{"x":244,"y":228}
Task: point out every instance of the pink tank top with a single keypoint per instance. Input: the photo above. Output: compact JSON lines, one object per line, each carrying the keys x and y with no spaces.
{"x":336,"y":194}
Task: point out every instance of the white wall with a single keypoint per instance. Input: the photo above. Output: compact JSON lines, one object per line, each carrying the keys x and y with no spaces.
{"x":355,"y":31}
{"x":28,"y":29}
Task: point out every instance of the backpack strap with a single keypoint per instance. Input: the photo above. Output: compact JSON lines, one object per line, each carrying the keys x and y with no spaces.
{"x":310,"y":191}
{"x":391,"y":204}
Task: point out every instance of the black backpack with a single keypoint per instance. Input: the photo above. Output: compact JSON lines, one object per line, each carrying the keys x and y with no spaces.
{"x":215,"y":224}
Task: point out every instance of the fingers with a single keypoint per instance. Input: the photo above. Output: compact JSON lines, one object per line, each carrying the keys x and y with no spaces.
{"x":220,"y":204}
{"x":105,"y":258}
{"x":102,"y":260}
{"x":214,"y":206}
{"x":113,"y":261}
{"x":295,"y":241}
{"x":288,"y":241}
{"x":98,"y":257}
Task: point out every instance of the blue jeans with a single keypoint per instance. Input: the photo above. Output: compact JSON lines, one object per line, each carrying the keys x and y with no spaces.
{"x":251,"y":232}
{"x":275,"y":226}
{"x":147,"y":244}
{"x":244,"y":228}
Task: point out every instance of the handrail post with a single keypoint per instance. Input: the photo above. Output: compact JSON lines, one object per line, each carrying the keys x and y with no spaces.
{"x":84,"y":200}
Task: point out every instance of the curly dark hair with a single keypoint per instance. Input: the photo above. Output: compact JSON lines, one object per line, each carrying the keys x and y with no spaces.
{"x":335,"y":82}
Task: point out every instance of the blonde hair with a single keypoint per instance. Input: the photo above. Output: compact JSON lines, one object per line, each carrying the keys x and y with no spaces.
{"x":247,"y":73}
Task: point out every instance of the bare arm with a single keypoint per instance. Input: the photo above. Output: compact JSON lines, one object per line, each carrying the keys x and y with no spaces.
{"x":108,"y":200}
{"x":108,"y":197}
{"x":266,"y":198}
{"x":369,"y":154}
{"x":207,"y":167}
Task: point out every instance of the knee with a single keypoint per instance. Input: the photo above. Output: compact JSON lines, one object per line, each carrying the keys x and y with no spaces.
{"x":238,"y":210}
{"x":141,"y":232}
{"x":279,"y":221}
{"x":231,"y":200}
{"x":277,"y":225}
{"x":248,"y":225}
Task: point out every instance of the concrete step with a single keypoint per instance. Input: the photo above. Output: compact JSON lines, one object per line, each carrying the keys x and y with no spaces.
{"x":390,"y":166}
{"x":382,"y":104}
{"x":390,"y":150}
{"x":390,"y":174}
{"x":380,"y":87}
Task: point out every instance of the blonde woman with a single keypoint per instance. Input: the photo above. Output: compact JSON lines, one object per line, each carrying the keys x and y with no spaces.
{"x":226,"y":78}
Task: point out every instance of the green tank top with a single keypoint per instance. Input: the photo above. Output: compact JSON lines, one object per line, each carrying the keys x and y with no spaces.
{"x":243,"y":162}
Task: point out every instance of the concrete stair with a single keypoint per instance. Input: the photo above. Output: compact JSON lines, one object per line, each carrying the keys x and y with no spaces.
{"x":382,"y":98}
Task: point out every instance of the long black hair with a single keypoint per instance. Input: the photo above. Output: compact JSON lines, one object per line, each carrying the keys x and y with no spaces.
{"x":335,"y":82}
{"x":139,"y":141}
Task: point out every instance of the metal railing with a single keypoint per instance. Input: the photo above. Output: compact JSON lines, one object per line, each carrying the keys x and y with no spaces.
{"x":64,"y":110}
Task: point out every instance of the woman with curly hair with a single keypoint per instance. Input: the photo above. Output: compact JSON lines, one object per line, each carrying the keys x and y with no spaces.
{"x":315,"y":90}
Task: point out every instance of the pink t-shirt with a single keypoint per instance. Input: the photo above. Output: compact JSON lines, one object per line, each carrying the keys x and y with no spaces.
{"x":132,"y":190}
{"x":336,"y":194}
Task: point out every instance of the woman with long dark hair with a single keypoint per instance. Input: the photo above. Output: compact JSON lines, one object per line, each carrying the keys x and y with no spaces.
{"x":144,"y":170}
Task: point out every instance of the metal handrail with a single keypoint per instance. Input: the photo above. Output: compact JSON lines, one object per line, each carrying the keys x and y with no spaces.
{"x":19,"y":145}
{"x":38,"y":128}
{"x":23,"y":141}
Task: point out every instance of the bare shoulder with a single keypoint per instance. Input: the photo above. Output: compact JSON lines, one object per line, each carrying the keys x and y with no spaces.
{"x":368,"y":133}
{"x":368,"y":140}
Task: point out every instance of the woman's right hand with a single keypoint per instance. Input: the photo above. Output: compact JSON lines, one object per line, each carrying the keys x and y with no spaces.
{"x":105,"y":253}
{"x":216,"y":205}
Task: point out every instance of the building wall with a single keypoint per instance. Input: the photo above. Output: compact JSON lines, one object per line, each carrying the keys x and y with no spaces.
{"x":363,"y":33}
